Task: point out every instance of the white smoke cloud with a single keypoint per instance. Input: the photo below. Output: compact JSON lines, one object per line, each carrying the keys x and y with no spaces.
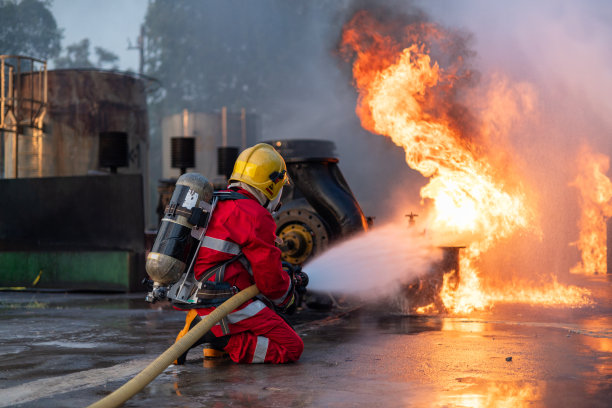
{"x":374,"y":264}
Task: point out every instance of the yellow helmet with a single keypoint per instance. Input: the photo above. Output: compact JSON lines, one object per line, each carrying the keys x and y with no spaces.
{"x":261,"y":167}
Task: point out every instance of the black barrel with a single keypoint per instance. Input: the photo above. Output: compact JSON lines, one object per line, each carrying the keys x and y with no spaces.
{"x":113,"y":150}
{"x":182,"y":153}
{"x":226,"y":157}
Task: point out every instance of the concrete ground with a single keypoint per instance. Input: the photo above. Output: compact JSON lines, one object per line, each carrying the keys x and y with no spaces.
{"x":69,"y":350}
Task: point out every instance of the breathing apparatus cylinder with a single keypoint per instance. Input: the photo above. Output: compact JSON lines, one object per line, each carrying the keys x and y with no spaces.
{"x":174,"y":245}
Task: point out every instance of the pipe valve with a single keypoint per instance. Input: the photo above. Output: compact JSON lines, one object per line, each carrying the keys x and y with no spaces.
{"x":156,"y":291}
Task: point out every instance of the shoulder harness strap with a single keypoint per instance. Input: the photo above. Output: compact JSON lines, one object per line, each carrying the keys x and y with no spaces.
{"x":229,"y":195}
{"x":211,"y":271}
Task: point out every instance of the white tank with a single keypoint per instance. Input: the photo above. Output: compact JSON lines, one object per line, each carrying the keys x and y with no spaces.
{"x":208,"y":131}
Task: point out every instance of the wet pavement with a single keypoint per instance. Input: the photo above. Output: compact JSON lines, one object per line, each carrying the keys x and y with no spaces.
{"x":69,"y":350}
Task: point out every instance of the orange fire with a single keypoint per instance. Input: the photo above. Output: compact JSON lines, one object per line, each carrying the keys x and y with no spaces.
{"x":500,"y":395}
{"x":596,"y":204}
{"x":402,"y":94}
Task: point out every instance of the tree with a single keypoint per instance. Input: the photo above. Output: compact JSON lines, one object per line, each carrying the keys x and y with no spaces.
{"x":27,"y":27}
{"x":106,"y":57}
{"x":234,"y":53}
{"x":77,"y":56}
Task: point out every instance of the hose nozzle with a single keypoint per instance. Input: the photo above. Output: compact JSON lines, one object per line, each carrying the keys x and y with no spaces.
{"x":300,"y":281}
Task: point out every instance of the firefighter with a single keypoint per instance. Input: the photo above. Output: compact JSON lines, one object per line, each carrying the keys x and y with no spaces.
{"x":239,"y":250}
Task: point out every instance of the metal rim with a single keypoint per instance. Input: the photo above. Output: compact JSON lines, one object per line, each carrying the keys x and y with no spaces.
{"x":304,"y":234}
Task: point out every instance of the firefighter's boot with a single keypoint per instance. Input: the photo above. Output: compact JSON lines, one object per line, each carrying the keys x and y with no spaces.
{"x":213,"y":346}
{"x":190,"y":321}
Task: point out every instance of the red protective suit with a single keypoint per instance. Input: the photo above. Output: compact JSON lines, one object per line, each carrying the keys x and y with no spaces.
{"x":258,"y":333}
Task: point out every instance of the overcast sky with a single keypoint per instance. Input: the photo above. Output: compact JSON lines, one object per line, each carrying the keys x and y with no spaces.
{"x":108,"y":24}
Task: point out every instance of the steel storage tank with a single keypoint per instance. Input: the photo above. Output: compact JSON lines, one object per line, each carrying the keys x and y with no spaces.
{"x":207,"y":128}
{"x":82,"y":104}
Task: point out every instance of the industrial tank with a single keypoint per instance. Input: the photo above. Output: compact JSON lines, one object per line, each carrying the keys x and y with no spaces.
{"x":81,"y":104}
{"x":84,"y":103}
{"x":211,"y":131}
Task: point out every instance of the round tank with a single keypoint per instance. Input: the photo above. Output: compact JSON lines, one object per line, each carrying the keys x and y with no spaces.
{"x":84,"y":103}
{"x":81,"y":104}
{"x":207,"y":128}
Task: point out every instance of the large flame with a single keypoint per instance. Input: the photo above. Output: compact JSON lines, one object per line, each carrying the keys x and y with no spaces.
{"x":596,"y":205}
{"x":473,"y":204}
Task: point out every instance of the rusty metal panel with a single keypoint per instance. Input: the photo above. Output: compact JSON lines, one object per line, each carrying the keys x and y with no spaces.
{"x":78,"y":106}
{"x":84,"y":103}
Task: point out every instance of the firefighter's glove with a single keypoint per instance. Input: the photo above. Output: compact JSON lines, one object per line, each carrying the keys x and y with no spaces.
{"x":298,"y":277}
{"x":300,"y":281}
{"x":291,"y":306}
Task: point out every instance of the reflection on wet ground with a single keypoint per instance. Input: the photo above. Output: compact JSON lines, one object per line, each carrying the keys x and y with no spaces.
{"x":72,"y":349}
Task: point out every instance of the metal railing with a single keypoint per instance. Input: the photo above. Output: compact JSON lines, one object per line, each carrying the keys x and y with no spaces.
{"x":23,"y":103}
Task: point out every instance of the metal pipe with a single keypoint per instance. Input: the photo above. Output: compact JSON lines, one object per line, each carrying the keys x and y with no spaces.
{"x":224,"y":126}
{"x":2,"y":96}
{"x":10,"y":97}
{"x":17,"y":116}
{"x":185,"y":122}
{"x":243,"y":128}
{"x":45,"y":86}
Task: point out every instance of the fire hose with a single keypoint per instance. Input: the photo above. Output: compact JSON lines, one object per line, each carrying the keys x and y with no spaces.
{"x":136,"y":384}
